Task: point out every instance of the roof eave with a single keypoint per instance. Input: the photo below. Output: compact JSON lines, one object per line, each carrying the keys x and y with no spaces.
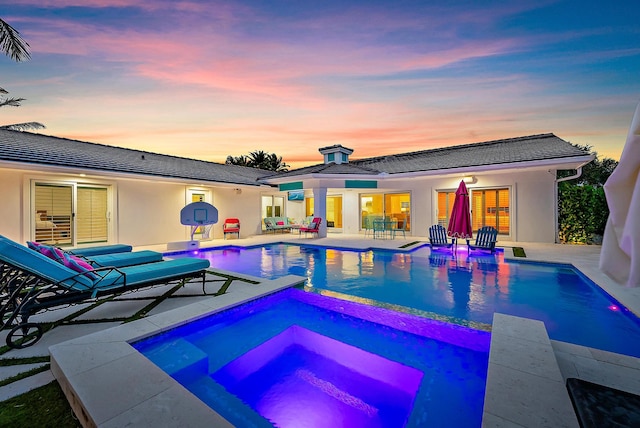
{"x":95,"y":172}
{"x":303,"y":177}
{"x":572,"y":162}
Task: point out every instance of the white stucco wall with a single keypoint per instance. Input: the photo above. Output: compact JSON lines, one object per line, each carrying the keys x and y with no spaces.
{"x":535,"y":207}
{"x":10,"y":211}
{"x":532,"y":206}
{"x":142,"y":212}
{"x":149,"y":212}
{"x":146,"y":212}
{"x":243,"y":205}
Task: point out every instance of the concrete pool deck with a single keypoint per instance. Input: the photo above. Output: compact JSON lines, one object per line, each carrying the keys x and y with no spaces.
{"x":525,"y":384}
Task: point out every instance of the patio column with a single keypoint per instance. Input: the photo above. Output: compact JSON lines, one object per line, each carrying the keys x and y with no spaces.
{"x":320,"y":208}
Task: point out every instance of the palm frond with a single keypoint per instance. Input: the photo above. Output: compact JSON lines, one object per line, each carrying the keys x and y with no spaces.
{"x":23,"y":126}
{"x":14,"y":102}
{"x":12,"y":43}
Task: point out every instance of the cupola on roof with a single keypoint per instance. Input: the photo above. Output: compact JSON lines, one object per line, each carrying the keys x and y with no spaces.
{"x":335,"y":154}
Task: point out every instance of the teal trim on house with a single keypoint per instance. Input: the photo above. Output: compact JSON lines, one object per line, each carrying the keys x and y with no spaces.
{"x":360,"y":184}
{"x":297,"y":185}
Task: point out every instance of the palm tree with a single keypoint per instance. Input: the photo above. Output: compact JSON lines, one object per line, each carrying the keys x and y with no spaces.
{"x":12,"y":43}
{"x":259,"y":159}
{"x":275,"y":163}
{"x":240,"y":160}
{"x":15,"y":47}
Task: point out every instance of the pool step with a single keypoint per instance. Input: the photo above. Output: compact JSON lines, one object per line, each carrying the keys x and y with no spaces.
{"x":524,"y":384}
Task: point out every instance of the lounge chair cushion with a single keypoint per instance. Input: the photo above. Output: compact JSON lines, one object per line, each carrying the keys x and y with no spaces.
{"x":111,"y":260}
{"x":126,"y":259}
{"x":100,"y":250}
{"x":156,"y":272}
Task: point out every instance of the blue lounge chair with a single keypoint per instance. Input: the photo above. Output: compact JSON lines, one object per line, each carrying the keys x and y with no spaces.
{"x":125,"y":259}
{"x":103,"y":259}
{"x":101,"y":249}
{"x":438,"y":237}
{"x":31,"y":282}
{"x":485,"y":240}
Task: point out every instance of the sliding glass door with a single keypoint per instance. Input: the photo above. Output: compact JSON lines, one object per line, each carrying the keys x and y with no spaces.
{"x":68,"y":214}
{"x":53,"y":210}
{"x":489,"y":207}
{"x":395,"y":206}
{"x":91,"y":220}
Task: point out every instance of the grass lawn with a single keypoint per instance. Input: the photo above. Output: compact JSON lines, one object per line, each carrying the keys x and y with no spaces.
{"x":42,"y":407}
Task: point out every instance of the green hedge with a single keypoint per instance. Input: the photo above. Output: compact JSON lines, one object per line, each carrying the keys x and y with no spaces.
{"x":582,"y":212}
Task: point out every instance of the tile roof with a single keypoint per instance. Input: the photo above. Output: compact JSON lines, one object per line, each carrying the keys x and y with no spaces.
{"x":38,"y":149}
{"x":329,"y":168}
{"x":507,"y":151}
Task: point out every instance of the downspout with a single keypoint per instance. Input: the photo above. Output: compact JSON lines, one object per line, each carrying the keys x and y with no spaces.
{"x":558,"y":180}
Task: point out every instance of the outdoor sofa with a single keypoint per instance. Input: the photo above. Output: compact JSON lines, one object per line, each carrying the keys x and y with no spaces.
{"x":274,"y":224}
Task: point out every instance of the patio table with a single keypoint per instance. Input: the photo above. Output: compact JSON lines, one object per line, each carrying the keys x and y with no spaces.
{"x":383,"y":229}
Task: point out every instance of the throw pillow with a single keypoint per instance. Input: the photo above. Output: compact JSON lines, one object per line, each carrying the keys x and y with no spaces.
{"x":33,"y":245}
{"x":53,"y":253}
{"x":80,"y":266}
{"x":280,"y":223}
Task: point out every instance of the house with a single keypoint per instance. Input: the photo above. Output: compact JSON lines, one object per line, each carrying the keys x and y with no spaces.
{"x":74,"y":193}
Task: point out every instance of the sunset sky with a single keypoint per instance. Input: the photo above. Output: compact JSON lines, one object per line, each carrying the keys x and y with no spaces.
{"x":205,"y":79}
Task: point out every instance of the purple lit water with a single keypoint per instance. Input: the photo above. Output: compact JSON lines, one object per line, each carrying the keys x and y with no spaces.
{"x":297,"y":359}
{"x":463,"y":290}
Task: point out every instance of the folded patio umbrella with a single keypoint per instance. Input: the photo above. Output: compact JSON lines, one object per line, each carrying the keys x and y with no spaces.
{"x":460,"y":221}
{"x":620,"y":253}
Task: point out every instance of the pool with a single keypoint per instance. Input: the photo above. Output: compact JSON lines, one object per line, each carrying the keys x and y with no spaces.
{"x":296,"y":358}
{"x":461,"y":290}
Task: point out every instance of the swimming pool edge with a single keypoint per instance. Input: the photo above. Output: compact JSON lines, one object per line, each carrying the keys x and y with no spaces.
{"x":109,"y":384}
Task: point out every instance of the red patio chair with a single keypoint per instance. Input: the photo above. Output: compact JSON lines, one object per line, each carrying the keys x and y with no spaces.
{"x":314,"y":227}
{"x":231,"y":225}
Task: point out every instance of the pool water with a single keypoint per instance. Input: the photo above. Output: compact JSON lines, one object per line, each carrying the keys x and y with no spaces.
{"x":296,"y":358}
{"x":466,"y":290}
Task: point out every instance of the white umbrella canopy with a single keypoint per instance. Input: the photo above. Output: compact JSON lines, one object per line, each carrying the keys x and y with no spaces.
{"x":620,"y":253}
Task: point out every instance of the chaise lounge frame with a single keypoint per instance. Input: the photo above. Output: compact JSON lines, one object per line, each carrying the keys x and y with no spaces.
{"x":26,"y":289}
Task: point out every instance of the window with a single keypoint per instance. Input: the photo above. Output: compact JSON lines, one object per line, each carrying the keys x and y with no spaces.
{"x":491,"y":208}
{"x":198,"y":195}
{"x":344,"y":157}
{"x":308,"y":206}
{"x":331,"y":157}
{"x":272,"y":206}
{"x":334,"y":211}
{"x":445,"y":206}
